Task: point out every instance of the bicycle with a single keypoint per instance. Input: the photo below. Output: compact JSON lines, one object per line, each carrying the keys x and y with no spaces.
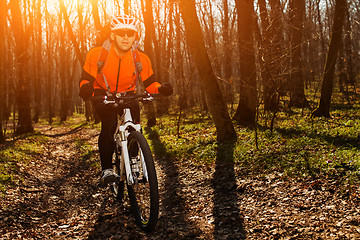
{"x":134,"y":164}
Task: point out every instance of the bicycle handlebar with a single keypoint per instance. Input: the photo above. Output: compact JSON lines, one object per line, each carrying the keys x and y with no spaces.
{"x":120,"y":98}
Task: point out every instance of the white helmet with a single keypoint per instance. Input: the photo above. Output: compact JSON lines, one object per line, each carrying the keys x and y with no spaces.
{"x":124,"y":21}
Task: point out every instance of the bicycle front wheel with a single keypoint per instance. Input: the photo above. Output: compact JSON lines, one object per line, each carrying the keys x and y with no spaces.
{"x":143,"y":194}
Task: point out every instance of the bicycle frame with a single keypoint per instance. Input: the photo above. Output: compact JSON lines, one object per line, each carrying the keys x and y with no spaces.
{"x":121,"y":134}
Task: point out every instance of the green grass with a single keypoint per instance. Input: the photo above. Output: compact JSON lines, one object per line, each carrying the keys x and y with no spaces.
{"x":74,"y":121}
{"x":299,"y":146}
{"x":16,"y":152}
{"x":86,"y":152}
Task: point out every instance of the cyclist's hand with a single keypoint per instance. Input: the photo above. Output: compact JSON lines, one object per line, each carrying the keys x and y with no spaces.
{"x":86,"y":91}
{"x":166,"y":89}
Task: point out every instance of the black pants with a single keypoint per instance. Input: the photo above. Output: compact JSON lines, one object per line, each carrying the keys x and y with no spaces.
{"x":108,"y":117}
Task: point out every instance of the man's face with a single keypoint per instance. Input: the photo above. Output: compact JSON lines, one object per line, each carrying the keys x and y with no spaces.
{"x":124,"y":38}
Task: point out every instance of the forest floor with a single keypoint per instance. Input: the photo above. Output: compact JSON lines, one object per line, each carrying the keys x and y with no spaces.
{"x":58,"y":197}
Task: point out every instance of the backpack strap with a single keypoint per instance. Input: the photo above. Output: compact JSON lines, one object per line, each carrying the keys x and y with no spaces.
{"x":139,"y":87}
{"x":102,"y":60}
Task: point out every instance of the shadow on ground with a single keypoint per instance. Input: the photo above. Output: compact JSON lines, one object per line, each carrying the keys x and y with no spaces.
{"x":227,"y":219}
{"x":175,"y":218}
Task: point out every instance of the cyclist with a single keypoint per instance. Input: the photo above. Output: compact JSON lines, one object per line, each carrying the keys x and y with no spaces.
{"x":111,"y":67}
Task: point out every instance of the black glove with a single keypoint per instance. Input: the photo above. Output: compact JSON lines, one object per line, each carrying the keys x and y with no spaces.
{"x":86,"y":91}
{"x":166,"y":89}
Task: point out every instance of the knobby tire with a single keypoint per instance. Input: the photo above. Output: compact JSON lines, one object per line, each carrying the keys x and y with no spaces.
{"x":144,"y":195}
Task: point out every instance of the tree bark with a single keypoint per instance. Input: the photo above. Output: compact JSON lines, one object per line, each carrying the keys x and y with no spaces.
{"x":216,"y":104}
{"x":246,"y":111}
{"x":323,"y":110}
{"x":22,"y":60}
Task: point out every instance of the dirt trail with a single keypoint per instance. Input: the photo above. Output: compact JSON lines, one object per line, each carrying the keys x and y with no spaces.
{"x":59,"y":198}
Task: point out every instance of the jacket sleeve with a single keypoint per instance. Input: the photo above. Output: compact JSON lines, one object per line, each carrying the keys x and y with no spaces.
{"x":89,"y":71}
{"x":148,"y":75}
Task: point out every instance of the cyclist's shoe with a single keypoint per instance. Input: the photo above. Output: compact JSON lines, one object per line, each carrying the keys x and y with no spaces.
{"x":107,"y":176}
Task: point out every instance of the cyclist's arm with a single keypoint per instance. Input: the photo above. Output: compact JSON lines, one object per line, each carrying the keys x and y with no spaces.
{"x":86,"y":78}
{"x":148,"y":75}
{"x":89,"y":72}
{"x":151,"y":85}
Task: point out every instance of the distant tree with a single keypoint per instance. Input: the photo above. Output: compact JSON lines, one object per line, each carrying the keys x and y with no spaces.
{"x":267,"y":70}
{"x":148,"y":48}
{"x":95,"y":13}
{"x":38,"y":60}
{"x":349,"y":49}
{"x":227,"y":66}
{"x":179,"y":60}
{"x":321,"y":31}
{"x":22,"y":40}
{"x":209,"y":25}
{"x":62,"y":67}
{"x":246,"y":111}
{"x":80,"y":55}
{"x":277,"y":66}
{"x":165,"y":42}
{"x":3,"y":16}
{"x":49,"y":83}
{"x":127,"y":4}
{"x":323,"y":109}
{"x":296,"y":15}
{"x":214,"y":98}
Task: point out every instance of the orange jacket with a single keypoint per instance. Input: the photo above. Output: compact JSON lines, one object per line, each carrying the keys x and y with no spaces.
{"x":119,"y":71}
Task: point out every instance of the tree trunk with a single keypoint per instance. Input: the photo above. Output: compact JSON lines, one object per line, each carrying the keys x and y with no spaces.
{"x":168,"y":48}
{"x":227,"y":66}
{"x":63,"y":68}
{"x":3,"y":12}
{"x":127,"y":6}
{"x":277,"y":50}
{"x":267,"y":71}
{"x":95,"y":13}
{"x":38,"y":61}
{"x":246,"y":111}
{"x":322,"y":37}
{"x":297,"y":14}
{"x":22,"y":60}
{"x":148,"y":49}
{"x":179,"y":60}
{"x":349,"y":49}
{"x":80,"y":56}
{"x":48,"y":70}
{"x":216,"y":104}
{"x":323,"y":110}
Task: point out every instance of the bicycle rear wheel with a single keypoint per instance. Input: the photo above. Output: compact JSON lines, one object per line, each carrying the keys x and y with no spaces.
{"x":117,"y":188}
{"x":143,"y":194}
